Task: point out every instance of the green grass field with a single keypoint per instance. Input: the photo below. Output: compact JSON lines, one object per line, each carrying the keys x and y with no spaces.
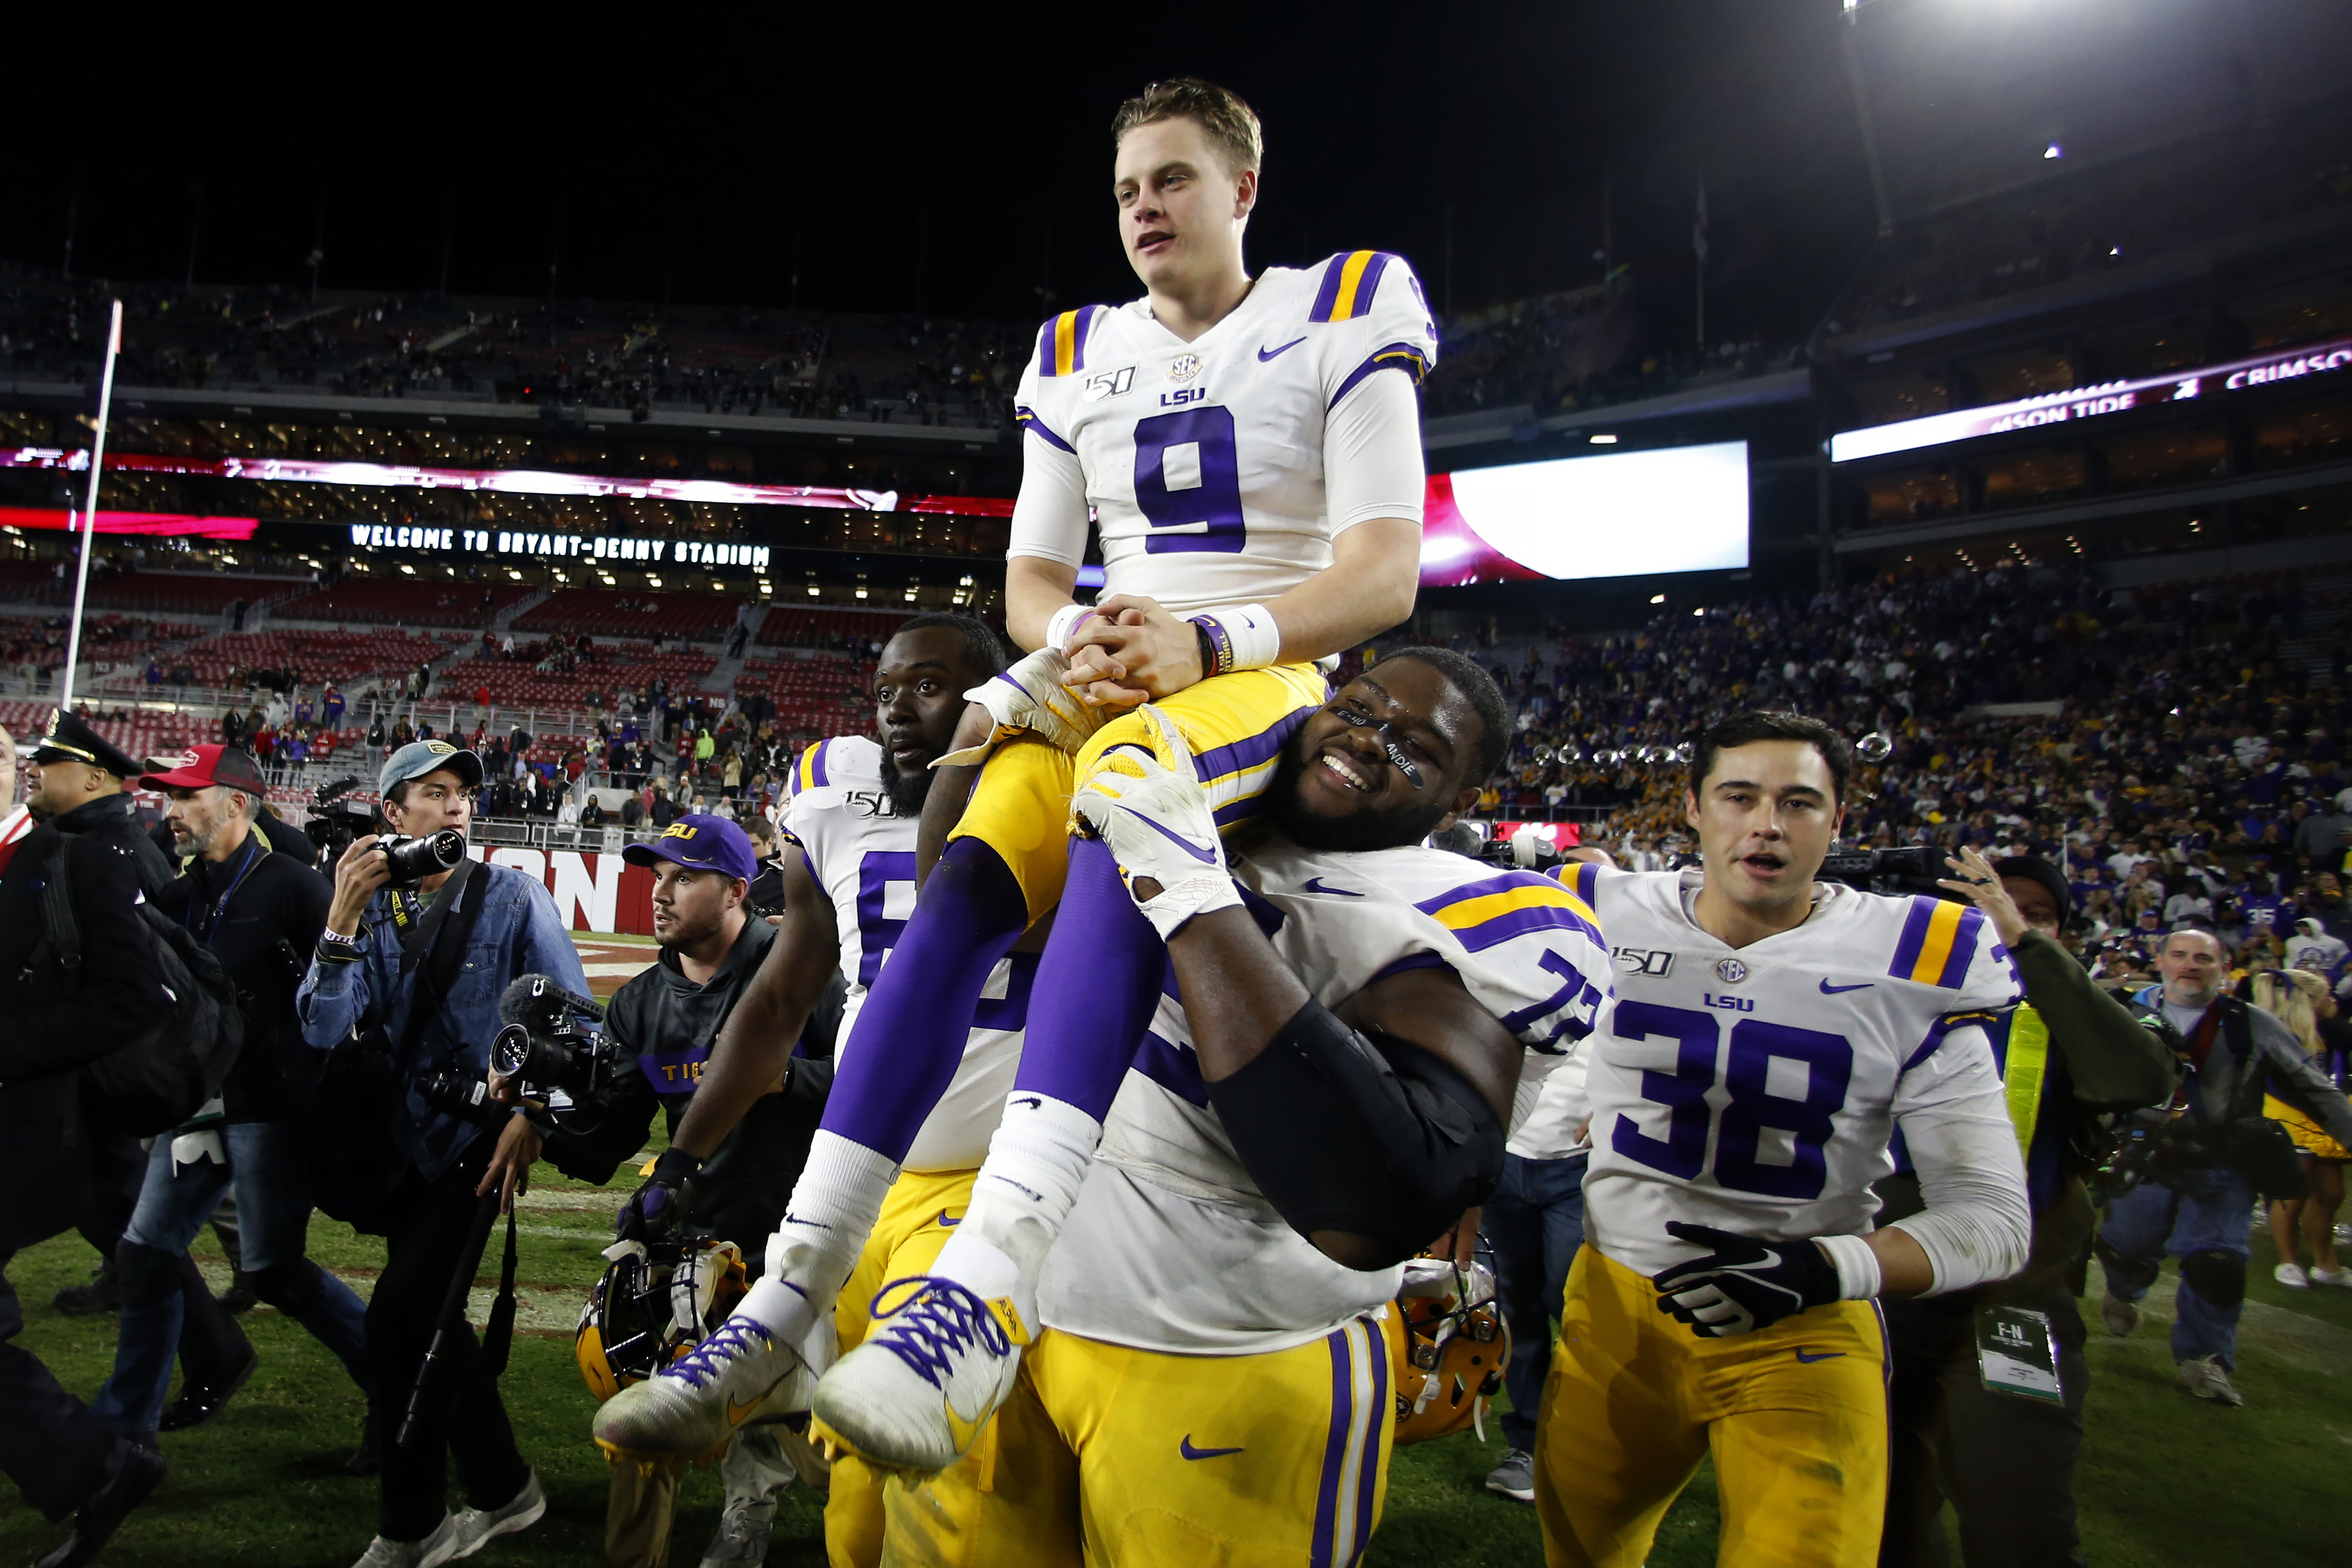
{"x":2165,"y":1479}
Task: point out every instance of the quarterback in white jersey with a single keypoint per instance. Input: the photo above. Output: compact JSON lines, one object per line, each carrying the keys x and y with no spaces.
{"x":1768,"y":1036}
{"x":1212,"y":1379}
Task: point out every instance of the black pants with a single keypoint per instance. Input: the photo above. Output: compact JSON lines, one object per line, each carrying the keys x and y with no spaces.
{"x":2006,"y":1463}
{"x":50,"y":1444}
{"x":466,"y":1421}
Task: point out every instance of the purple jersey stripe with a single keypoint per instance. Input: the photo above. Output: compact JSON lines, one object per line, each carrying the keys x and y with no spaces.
{"x":1082,"y":322}
{"x":1915,"y":937}
{"x":1328,"y":295}
{"x":1045,"y":346}
{"x":1171,"y":1068}
{"x":1502,"y":884}
{"x":1368,"y":1478}
{"x":1026,"y":417}
{"x":1410,"y":960}
{"x":1396,"y":356}
{"x":1964,"y":948}
{"x":1587,"y":880}
{"x":1362,"y":303}
{"x":1518,"y":922}
{"x":1937,"y":1030}
{"x":816,"y":765}
{"x":1319,"y":1550}
{"x":1254,"y":751}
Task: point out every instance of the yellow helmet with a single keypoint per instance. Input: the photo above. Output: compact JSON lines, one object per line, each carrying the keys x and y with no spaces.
{"x":1449,"y":1345}
{"x":653,"y":1304}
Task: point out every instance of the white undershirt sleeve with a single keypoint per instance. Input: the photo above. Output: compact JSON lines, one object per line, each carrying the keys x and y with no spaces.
{"x":1977,"y":1226}
{"x":1371,"y":453}
{"x":1050,"y":516}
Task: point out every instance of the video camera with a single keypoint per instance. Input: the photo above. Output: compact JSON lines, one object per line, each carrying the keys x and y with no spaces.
{"x":1914,"y":869}
{"x":551,"y":1039}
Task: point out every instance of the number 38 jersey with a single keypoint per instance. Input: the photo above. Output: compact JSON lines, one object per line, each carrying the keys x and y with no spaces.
{"x":1203,"y":463}
{"x":1171,"y":1246}
{"x":1755,"y":1089}
{"x":862,"y":853}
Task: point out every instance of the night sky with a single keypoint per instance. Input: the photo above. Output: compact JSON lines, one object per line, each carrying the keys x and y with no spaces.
{"x":969,"y":162}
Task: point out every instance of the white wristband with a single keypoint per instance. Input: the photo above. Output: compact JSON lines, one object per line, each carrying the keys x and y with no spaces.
{"x":1246,"y":637}
{"x":1857,"y":1265}
{"x":1065,"y":623}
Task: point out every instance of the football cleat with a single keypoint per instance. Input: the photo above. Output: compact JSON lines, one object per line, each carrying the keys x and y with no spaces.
{"x":916,"y":1393}
{"x":692,"y":1410}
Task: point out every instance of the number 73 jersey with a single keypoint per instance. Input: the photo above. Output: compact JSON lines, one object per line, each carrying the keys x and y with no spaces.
{"x":1203,"y":463}
{"x":1755,"y":1089}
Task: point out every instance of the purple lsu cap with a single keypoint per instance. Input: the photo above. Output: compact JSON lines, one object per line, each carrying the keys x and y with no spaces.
{"x":701,"y":843}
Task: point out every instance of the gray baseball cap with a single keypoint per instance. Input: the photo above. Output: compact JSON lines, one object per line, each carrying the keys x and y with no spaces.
{"x":417,"y":758}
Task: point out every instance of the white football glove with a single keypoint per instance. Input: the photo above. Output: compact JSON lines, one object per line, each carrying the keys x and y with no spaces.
{"x":1030,"y":699}
{"x":1145,"y":803}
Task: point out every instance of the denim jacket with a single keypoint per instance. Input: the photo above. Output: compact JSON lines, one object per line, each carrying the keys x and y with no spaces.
{"x":518,"y":933}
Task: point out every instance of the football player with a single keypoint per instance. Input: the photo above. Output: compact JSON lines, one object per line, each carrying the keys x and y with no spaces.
{"x":848,"y":872}
{"x":1322,"y":1089}
{"x":1256,"y":483}
{"x":1768,"y":1036}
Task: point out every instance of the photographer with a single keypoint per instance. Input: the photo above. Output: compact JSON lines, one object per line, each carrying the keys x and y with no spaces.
{"x":661,"y":1024}
{"x":261,"y":913}
{"x":59,"y":1455}
{"x":411,"y":967}
{"x":2068,"y":1053}
{"x":2211,"y":1152}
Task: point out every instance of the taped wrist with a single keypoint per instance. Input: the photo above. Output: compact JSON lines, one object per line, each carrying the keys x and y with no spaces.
{"x":1064,"y":625}
{"x":1362,"y":1134}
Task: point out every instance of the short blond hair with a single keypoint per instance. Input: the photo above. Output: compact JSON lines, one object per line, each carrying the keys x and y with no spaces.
{"x":1230,"y":124}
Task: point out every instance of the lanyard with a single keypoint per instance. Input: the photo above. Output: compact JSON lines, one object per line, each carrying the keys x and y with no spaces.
{"x":253,"y":853}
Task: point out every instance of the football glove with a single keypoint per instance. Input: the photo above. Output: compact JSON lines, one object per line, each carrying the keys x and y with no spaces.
{"x":656,"y":1208}
{"x":1744,"y":1284}
{"x":1145,"y":802}
{"x":1029,"y":700}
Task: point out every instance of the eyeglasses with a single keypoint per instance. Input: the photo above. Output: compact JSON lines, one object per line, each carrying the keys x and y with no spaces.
{"x":1384,"y":731}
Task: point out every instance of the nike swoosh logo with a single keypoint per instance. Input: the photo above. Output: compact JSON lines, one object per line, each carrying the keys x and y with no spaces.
{"x":1206,"y":857}
{"x":812,"y":1224}
{"x":1036,"y":1101}
{"x":1830,"y":990}
{"x":947,"y":1222}
{"x":1264,"y":355}
{"x":737,"y":1409}
{"x":1316,"y":885}
{"x":1190,"y":1452}
{"x":1825,"y":1355}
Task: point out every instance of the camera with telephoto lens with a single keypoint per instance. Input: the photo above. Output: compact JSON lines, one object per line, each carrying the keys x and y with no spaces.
{"x":464,"y":1095}
{"x":412,"y":859}
{"x":549,"y":1039}
{"x":1915,"y":869}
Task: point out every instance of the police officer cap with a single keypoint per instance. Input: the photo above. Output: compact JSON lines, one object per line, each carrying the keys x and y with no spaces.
{"x":69,"y":739}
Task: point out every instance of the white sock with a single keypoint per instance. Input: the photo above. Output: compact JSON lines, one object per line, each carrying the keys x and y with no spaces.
{"x":1024,"y":1194}
{"x":832,"y":1209}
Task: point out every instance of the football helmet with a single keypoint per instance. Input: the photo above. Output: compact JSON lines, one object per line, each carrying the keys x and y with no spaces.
{"x":1450,"y":1347}
{"x":653,"y":1304}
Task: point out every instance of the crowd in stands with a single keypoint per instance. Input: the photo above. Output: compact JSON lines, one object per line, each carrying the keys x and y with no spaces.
{"x":34,"y":649}
{"x":2166,"y":746}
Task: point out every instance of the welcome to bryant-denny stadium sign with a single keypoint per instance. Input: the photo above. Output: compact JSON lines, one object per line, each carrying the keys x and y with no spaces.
{"x":385,"y":538}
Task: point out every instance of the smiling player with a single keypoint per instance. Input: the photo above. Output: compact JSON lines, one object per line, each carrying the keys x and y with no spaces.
{"x":1769,"y":1033}
{"x":1257,"y":488}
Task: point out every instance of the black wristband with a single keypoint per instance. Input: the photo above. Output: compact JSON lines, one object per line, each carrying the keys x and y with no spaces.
{"x":674,"y":1164}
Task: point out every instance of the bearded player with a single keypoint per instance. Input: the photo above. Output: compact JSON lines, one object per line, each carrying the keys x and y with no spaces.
{"x":1258,"y":484}
{"x":1211,"y":1381}
{"x":849,"y":884}
{"x":1768,"y":1036}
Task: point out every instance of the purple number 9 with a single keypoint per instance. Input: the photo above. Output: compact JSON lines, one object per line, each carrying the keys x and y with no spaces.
{"x":1214,"y":501}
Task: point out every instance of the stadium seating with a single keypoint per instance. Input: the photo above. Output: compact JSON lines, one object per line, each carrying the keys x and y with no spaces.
{"x":796,"y":626}
{"x":180,"y":594}
{"x":609,"y":612}
{"x":401,"y":601}
{"x":317,"y":656}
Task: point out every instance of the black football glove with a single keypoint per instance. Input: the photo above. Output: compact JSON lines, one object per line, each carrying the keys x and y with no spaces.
{"x":656,"y":1208}
{"x":1744,"y":1284}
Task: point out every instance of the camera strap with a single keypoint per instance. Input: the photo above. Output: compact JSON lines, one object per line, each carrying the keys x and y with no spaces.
{"x":445,"y":956}
{"x":497,"y":1329}
{"x":419,"y":937}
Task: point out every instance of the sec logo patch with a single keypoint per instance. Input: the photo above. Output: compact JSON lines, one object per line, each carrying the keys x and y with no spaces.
{"x":1730,"y":971}
{"x":1184,"y":367}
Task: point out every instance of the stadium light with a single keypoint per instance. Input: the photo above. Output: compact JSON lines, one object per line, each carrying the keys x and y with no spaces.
{"x":652,"y":580}
{"x":2054,"y":151}
{"x":1602,"y":440}
{"x":1657,"y":598}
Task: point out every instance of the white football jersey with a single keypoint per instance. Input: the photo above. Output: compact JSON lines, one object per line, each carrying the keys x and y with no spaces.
{"x":862,"y":853}
{"x":1756,"y":1089}
{"x":1171,"y":1247}
{"x":1202,"y":462}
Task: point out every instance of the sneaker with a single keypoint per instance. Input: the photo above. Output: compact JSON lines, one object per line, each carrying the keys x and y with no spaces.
{"x":742,"y":1537}
{"x":136,"y":1476}
{"x":692,"y":1408}
{"x":2292,"y":1275}
{"x":917,"y":1393}
{"x":102,"y":1294}
{"x":430,"y":1553}
{"x":2121,"y":1317}
{"x":2339,"y":1278}
{"x":1515,"y":1477}
{"x":2209,"y":1382}
{"x":476,"y":1526}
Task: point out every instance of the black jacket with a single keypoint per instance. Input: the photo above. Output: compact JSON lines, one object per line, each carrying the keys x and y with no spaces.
{"x":54,"y":1026}
{"x":265,"y":934}
{"x":663,"y":1025}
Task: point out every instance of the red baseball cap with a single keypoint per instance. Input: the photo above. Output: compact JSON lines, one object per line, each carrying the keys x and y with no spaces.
{"x":201,"y":767}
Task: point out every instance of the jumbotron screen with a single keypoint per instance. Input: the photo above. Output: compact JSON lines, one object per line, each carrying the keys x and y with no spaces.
{"x":1622,"y":514}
